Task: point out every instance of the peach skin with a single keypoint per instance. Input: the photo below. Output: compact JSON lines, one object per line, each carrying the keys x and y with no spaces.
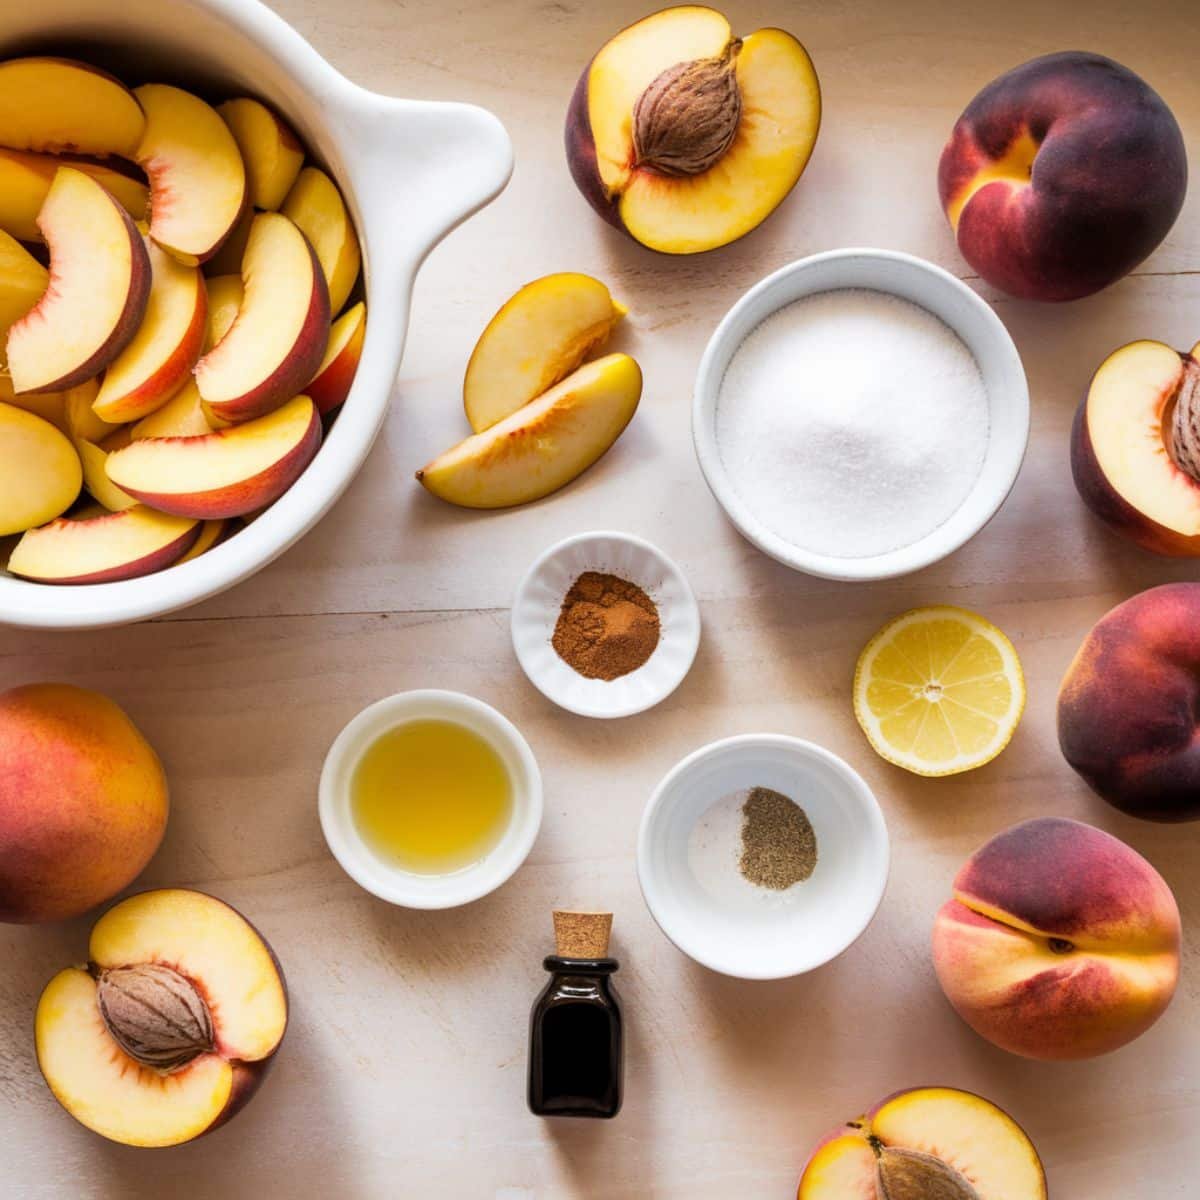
{"x":1061,"y":942}
{"x":83,"y":801}
{"x":1127,"y":707}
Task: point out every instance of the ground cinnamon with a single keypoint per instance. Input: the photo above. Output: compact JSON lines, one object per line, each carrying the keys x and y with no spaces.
{"x":607,"y":626}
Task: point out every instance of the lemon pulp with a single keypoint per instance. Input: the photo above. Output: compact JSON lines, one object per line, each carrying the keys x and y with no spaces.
{"x":431,"y":797}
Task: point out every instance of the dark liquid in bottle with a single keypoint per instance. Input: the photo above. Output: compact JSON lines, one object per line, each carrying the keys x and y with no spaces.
{"x":575,"y":1051}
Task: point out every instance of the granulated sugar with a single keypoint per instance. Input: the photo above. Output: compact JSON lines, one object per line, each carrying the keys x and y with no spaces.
{"x":852,"y":422}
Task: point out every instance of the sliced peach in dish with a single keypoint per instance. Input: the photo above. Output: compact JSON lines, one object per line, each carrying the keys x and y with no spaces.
{"x":104,"y":547}
{"x":543,"y":446}
{"x":182,"y":416}
{"x":40,"y":474}
{"x":197,"y":178}
{"x":316,"y":205}
{"x":275,"y":345}
{"x":23,"y":282}
{"x":50,"y":406}
{"x":96,"y":480}
{"x":270,"y":150}
{"x":331,"y":384}
{"x":537,"y":338}
{"x":930,"y":1143}
{"x":95,"y":300}
{"x":167,"y":345}
{"x":60,"y":106}
{"x":225,"y":294}
{"x":687,"y":137}
{"x":170,"y":1028}
{"x":25,"y":179}
{"x":228,"y":259}
{"x":211,"y":532}
{"x":223,"y":474}
{"x":1135,"y":446}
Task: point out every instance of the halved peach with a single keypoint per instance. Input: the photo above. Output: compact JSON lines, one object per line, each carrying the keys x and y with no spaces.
{"x":95,"y":478}
{"x":277,"y":342}
{"x":270,"y":150}
{"x":686,"y":137}
{"x":40,"y":474}
{"x":97,"y":293}
{"x":211,"y":532}
{"x":182,"y":416}
{"x":930,"y":1143}
{"x":223,"y":474}
{"x":104,"y":547}
{"x":331,"y":384}
{"x":225,"y":293}
{"x":316,"y":205}
{"x":167,"y":345}
{"x":23,"y":282}
{"x":169,"y":1029}
{"x":537,"y":338}
{"x":543,"y":446}
{"x":197,"y":178}
{"x":58,"y":105}
{"x":1134,"y":446}
{"x":25,"y":180}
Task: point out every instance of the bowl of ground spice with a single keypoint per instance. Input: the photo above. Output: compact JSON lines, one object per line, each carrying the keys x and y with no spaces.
{"x":763,"y":856}
{"x":605,"y":625}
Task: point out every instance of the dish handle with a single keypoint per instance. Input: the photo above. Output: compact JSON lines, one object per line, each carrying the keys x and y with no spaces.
{"x":425,"y":167}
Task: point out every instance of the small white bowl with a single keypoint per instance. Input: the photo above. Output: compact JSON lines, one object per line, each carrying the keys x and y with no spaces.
{"x":933,"y":289}
{"x":756,"y":933}
{"x":408,"y":888}
{"x":539,"y":601}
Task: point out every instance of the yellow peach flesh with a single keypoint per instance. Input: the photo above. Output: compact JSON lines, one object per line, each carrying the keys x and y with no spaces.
{"x":272,"y":155}
{"x":40,"y":475}
{"x":842,"y":1169}
{"x":225,"y":294}
{"x":316,"y":205}
{"x":22,"y":282}
{"x":182,"y":416}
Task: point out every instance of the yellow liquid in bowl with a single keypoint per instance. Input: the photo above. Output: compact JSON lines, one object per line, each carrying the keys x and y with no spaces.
{"x":431,"y":797}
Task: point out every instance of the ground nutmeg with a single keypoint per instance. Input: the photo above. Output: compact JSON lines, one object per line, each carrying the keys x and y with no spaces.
{"x":607,"y":626}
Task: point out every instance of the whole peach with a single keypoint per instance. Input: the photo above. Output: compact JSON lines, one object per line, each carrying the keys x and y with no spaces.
{"x":1061,"y":941}
{"x":1127,"y":709}
{"x":1062,"y":175}
{"x":83,"y":801}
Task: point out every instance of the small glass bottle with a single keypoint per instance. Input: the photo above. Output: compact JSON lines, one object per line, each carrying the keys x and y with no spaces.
{"x":575,"y":1033}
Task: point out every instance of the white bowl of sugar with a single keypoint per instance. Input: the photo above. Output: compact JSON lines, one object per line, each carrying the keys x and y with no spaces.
{"x":860,"y":414}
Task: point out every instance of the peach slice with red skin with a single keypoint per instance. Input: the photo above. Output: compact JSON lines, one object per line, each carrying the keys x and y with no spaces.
{"x":94,"y":302}
{"x":40,"y":475}
{"x":317,"y":207}
{"x":103,"y":548}
{"x":270,"y":150}
{"x":222,"y":474}
{"x":83,"y":801}
{"x":930,"y":1143}
{"x":277,"y":341}
{"x":58,"y":105}
{"x":335,"y":376}
{"x":537,"y":338}
{"x":211,"y":532}
{"x":197,"y":177}
{"x":687,"y":137}
{"x":172,"y":1025}
{"x":1061,"y":942}
{"x":167,"y":345}
{"x":25,"y":180}
{"x":1133,"y":446}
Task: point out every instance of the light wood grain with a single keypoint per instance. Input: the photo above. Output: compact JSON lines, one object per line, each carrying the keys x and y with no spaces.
{"x":403,"y":1071}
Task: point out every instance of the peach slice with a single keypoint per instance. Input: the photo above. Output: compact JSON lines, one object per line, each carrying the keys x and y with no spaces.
{"x":223,"y":474}
{"x":97,"y":293}
{"x":211,"y":532}
{"x":50,"y":406}
{"x":543,"y":446}
{"x":59,"y":105}
{"x":23,"y":281}
{"x":275,"y":345}
{"x":331,"y":384}
{"x":96,"y":480}
{"x":197,"y":178}
{"x":25,"y":180}
{"x":1133,"y":446}
{"x":537,"y":338}
{"x":929,"y":1143}
{"x":228,"y":259}
{"x":270,"y":150}
{"x":182,"y":416}
{"x":686,"y":137}
{"x":103,"y":548}
{"x":166,"y":347}
{"x":170,"y":1028}
{"x":82,"y":424}
{"x":316,"y":205}
{"x":40,"y":475}
{"x":225,"y":293}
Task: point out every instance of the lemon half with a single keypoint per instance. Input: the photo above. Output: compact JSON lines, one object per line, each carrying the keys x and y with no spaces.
{"x":939,"y":690}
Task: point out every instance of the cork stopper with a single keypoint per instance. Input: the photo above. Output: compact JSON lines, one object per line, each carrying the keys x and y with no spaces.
{"x":582,"y":934}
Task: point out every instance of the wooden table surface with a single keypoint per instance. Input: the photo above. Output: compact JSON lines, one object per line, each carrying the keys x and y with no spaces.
{"x":404,"y":1067}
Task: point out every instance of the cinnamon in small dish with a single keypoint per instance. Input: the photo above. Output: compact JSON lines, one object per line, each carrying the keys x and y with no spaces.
{"x":607,"y":627}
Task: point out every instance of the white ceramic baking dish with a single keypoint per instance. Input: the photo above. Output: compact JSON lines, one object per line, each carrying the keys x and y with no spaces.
{"x":410,"y":170}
